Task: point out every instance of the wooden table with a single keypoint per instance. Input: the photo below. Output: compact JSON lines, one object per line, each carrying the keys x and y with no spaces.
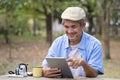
{"x":4,"y":77}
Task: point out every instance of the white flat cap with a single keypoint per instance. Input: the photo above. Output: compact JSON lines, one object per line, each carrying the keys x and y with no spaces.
{"x":73,"y":13}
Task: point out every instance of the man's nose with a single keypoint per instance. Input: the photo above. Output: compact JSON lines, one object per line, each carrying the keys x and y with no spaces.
{"x":70,"y":30}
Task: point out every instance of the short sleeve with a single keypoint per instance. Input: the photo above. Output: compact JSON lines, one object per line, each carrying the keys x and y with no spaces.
{"x":96,"y":59}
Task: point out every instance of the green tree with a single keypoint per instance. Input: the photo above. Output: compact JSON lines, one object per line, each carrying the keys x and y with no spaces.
{"x":48,"y":8}
{"x":105,"y":21}
{"x":115,"y":17}
{"x":37,"y":8}
{"x":7,"y":8}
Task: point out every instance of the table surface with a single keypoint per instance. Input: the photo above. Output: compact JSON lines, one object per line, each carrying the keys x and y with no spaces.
{"x":6,"y":77}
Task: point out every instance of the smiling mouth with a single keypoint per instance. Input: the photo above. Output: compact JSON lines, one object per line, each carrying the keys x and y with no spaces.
{"x":71,"y":35}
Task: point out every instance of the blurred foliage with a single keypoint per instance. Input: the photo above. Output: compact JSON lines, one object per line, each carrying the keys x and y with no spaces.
{"x":15,"y":14}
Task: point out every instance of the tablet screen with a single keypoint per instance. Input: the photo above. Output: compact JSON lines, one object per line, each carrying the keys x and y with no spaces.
{"x":61,"y":64}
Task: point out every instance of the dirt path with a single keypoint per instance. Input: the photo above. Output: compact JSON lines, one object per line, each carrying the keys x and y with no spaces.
{"x":115,"y":51}
{"x":37,"y":50}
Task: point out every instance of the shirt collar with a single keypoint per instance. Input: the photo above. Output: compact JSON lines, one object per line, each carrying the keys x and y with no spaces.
{"x":66,"y":42}
{"x":82,"y":42}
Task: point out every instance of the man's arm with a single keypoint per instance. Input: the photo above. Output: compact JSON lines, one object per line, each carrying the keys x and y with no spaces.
{"x":76,"y":62}
{"x":89,"y":71}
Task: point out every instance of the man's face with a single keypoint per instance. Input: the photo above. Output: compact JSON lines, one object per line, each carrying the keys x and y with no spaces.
{"x":73,"y":30}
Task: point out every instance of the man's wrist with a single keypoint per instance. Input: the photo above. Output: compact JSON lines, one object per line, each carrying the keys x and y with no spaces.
{"x":82,"y":62}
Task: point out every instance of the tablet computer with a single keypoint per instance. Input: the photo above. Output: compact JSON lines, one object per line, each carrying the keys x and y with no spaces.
{"x":61,"y":64}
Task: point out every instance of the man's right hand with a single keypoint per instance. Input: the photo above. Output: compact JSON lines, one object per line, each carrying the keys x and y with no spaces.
{"x":51,"y":72}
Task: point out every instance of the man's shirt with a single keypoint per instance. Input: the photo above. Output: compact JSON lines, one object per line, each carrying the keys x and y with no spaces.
{"x":74,"y":53}
{"x":89,"y":48}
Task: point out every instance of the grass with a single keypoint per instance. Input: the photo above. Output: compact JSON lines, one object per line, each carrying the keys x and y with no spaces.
{"x":112,"y":69}
{"x":116,"y":39}
{"x":26,"y":36}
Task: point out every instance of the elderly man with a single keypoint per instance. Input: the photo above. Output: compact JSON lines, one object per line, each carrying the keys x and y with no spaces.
{"x":81,"y":50}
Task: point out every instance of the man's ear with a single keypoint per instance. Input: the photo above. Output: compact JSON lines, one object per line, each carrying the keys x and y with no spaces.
{"x":83,"y":25}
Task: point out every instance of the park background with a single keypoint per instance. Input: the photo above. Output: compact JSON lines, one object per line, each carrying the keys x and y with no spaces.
{"x":28,"y":27}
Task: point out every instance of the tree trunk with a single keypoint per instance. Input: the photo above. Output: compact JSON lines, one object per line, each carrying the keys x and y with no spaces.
{"x":6,"y":32}
{"x":49,"y":28}
{"x":99,"y":26}
{"x":105,"y":19}
{"x":34,"y":27}
{"x":7,"y":37}
{"x":90,"y":18}
{"x":106,"y":36}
